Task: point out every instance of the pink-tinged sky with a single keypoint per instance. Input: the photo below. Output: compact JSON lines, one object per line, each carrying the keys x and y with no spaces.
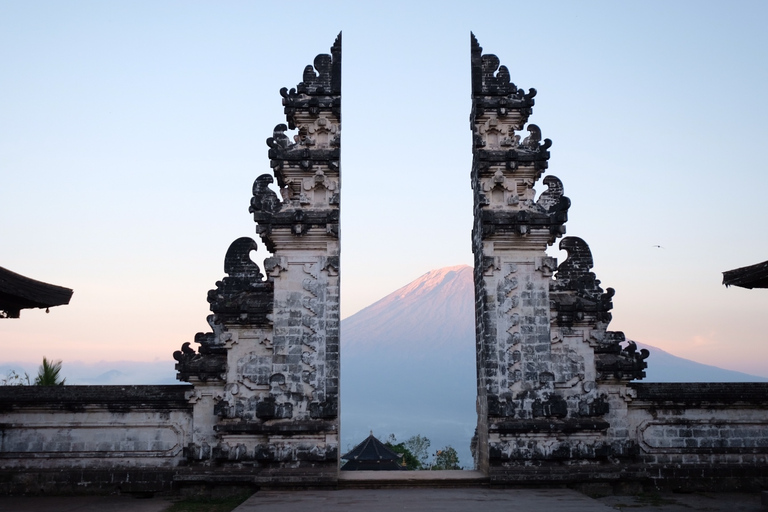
{"x":131,"y":132}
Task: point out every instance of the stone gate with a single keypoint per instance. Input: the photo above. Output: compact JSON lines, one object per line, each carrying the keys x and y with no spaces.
{"x":267,"y":376}
{"x":552,"y":380}
{"x":555,"y":397}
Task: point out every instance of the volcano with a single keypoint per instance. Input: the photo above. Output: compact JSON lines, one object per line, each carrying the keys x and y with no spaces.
{"x":408,"y":364}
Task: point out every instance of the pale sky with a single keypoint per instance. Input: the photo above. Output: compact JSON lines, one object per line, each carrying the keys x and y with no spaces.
{"x":131,"y":133}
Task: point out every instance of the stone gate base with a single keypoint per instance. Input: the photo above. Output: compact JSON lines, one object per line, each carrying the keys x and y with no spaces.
{"x":133,"y":439}
{"x":556,"y":403}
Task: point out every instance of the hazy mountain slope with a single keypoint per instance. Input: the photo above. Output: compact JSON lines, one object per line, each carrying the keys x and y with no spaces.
{"x":433,"y":312}
{"x":408,"y":364}
{"x":664,"y":367}
{"x":105,"y":372}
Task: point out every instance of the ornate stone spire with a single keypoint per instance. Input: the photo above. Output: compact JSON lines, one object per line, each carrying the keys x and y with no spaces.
{"x":305,"y":165}
{"x":267,"y":377}
{"x":242,"y":298}
{"x":546,"y":361}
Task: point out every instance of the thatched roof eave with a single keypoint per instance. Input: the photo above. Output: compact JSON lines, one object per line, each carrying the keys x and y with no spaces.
{"x":18,"y":292}
{"x":753,"y":276}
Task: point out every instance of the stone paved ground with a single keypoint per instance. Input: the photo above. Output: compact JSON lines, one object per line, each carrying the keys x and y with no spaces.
{"x":495,"y":500}
{"x":447,"y":500}
{"x":82,"y":504}
{"x":676,"y":502}
{"x":442,"y":500}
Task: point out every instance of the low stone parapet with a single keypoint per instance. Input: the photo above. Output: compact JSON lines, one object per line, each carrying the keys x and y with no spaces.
{"x":690,"y":434}
{"x":92,"y":438}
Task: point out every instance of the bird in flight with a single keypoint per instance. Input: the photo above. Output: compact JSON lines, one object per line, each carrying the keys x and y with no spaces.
{"x":658,"y":246}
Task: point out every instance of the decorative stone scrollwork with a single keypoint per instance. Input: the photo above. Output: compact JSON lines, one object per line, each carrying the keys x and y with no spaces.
{"x":546,"y":362}
{"x":241,"y":298}
{"x":200,"y":366}
{"x":534,"y":138}
{"x":577,"y":298}
{"x":553,"y":198}
{"x":495,"y":79}
{"x":625,"y":365}
{"x":320,"y":89}
{"x":574,"y":274}
{"x":279,"y":144}
{"x":493,"y":89}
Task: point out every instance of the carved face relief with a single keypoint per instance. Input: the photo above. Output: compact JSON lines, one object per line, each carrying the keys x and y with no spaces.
{"x":255,"y":370}
{"x":500,"y":190}
{"x":497,"y":135}
{"x":318,"y":190}
{"x":322,"y":132}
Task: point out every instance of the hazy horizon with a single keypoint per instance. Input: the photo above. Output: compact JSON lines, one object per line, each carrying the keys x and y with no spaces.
{"x":376,"y":324}
{"x":132,"y":132}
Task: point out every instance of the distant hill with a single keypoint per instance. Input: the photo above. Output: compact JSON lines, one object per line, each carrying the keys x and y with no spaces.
{"x":105,"y":372}
{"x":408,"y":364}
{"x":664,"y":367}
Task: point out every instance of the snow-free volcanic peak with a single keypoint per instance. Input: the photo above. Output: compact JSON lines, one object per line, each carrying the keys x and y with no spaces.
{"x":434,"y":311}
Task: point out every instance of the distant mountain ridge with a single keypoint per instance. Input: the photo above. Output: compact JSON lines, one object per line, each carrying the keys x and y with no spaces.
{"x":435,"y":310}
{"x":408,"y":364}
{"x":104,"y":373}
{"x":665,"y":367}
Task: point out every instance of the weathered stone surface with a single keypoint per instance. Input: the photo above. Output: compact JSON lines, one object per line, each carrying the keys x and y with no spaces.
{"x":93,"y":427}
{"x":78,"y":398}
{"x":555,"y":403}
{"x":536,"y":336}
{"x":692,"y":435}
{"x":271,"y":363}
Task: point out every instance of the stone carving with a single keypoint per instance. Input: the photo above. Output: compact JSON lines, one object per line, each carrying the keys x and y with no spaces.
{"x":579,"y":300}
{"x":272,"y":360}
{"x":555,"y":403}
{"x":319,"y":92}
{"x":546,"y":361}
{"x":264,"y":199}
{"x":241,"y":298}
{"x":494,"y":90}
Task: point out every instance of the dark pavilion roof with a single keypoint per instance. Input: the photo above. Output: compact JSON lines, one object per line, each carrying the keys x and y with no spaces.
{"x":754,"y":276}
{"x":18,"y":292}
{"x":371,"y":454}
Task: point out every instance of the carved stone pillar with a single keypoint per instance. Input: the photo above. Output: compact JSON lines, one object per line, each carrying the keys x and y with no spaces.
{"x":271,"y":364}
{"x":542,"y":345}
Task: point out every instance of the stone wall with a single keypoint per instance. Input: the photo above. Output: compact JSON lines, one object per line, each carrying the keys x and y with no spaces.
{"x":267,"y":375}
{"x":87,"y":438}
{"x":700,"y":435}
{"x":555,"y":399}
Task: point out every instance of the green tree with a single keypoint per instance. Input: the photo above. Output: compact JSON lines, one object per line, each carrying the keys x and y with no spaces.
{"x":409,"y":460}
{"x":48,"y":374}
{"x":447,"y":458}
{"x":14,"y":379}
{"x":418,"y":445}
